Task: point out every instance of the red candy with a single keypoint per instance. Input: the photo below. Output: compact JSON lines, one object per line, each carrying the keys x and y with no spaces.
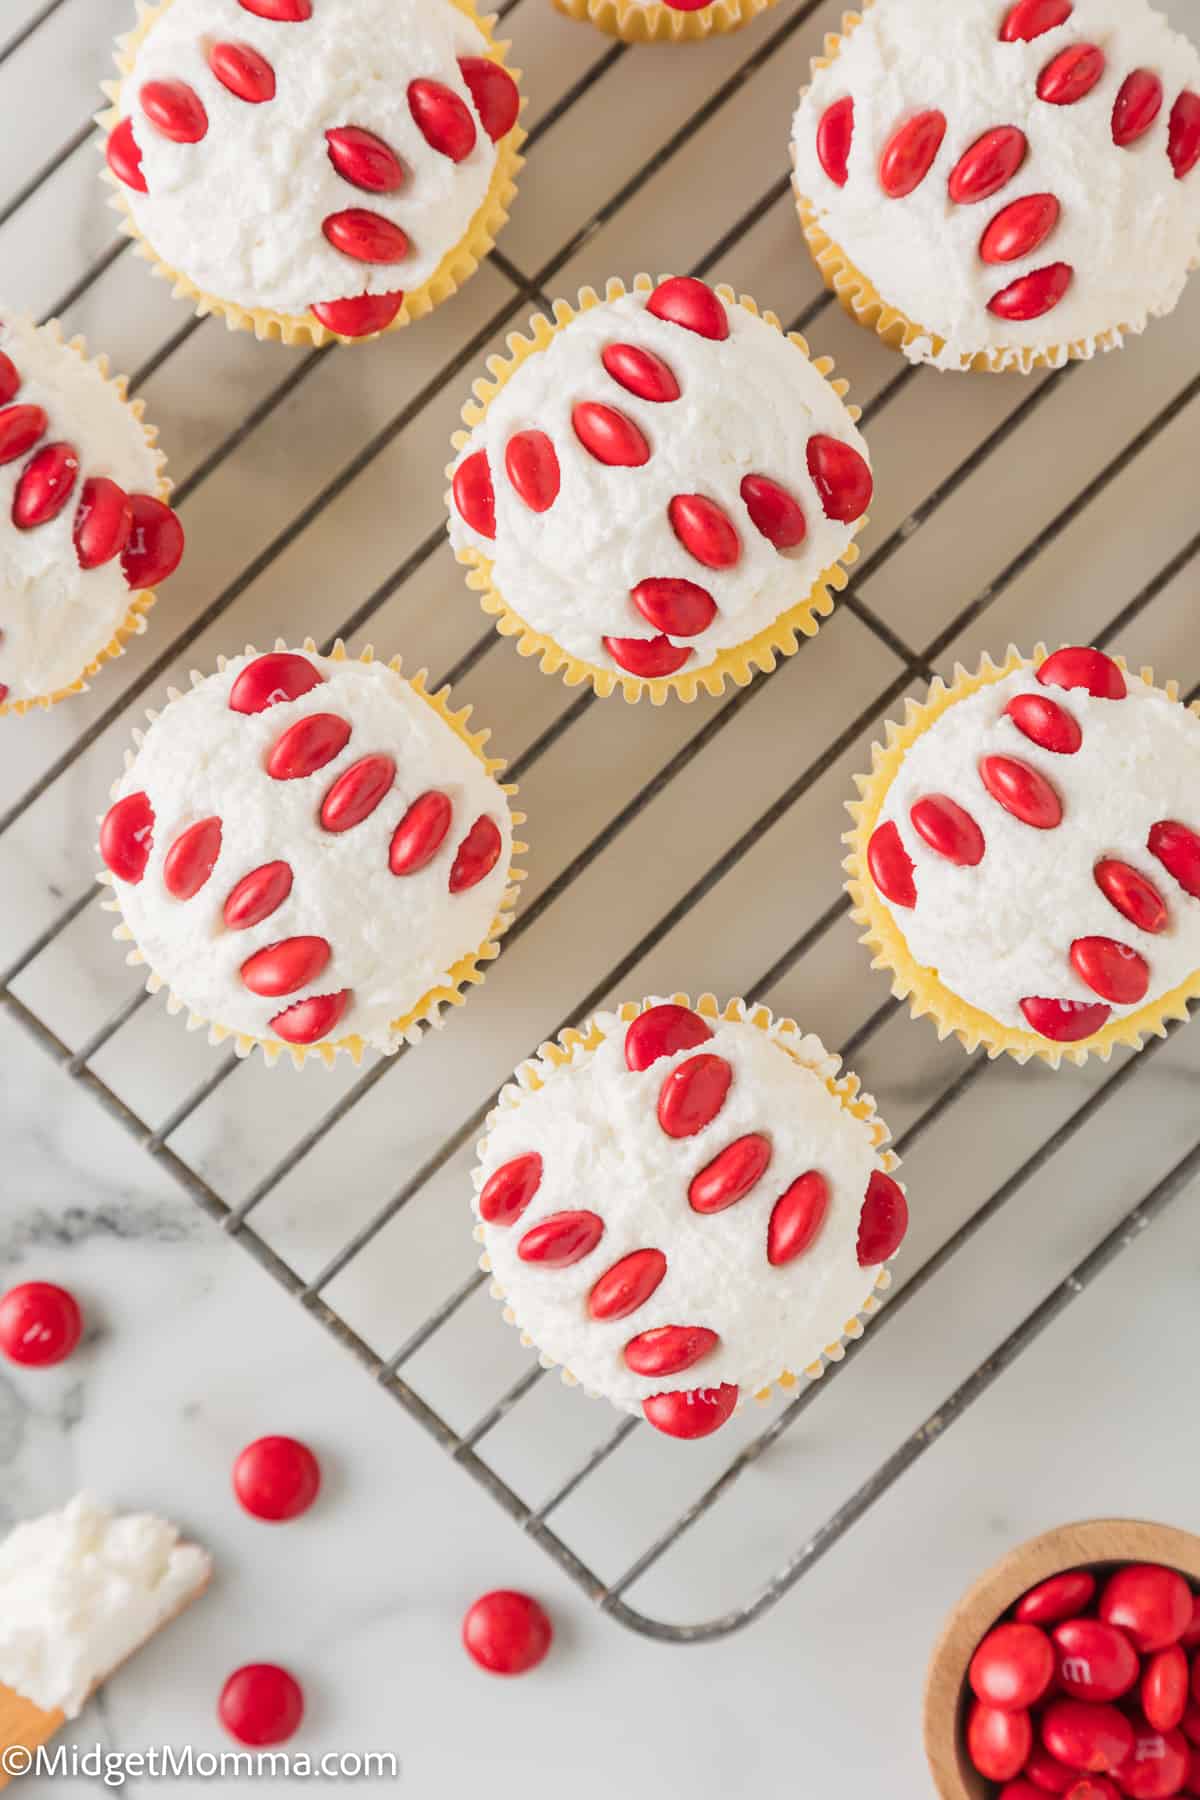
{"x":648,"y":658}
{"x":10,"y":380}
{"x":610,"y":436}
{"x":1059,"y":1597}
{"x":284,"y":967}
{"x":1012,"y":1668}
{"x":883,"y":1222}
{"x":1045,"y":723}
{"x":507,"y":1633}
{"x":797,"y":1218}
{"x":672,"y":605}
{"x":1093,"y":1739}
{"x":47,"y":483}
{"x":692,"y":1412}
{"x":910,"y":152}
{"x":271,"y":680}
{"x":20,"y":429}
{"x":693,"y":1095}
{"x":1031,"y":296}
{"x":40,"y":1324}
{"x":730,"y":1176}
{"x":496,"y":95}
{"x":1095,"y":1661}
{"x":988,"y":165}
{"x":998,"y":1743}
{"x":473,"y":494}
{"x":261,"y":1704}
{"x":705,"y":531}
{"x":627,"y":1285}
{"x":154,"y":546}
{"x":640,"y":372}
{"x":311,"y":1020}
{"x":891,"y":866}
{"x":284,"y":11}
{"x":835,"y":134}
{"x":357,"y":791}
{"x":359,"y":317}
{"x":1183,"y":140}
{"x":1080,"y":667}
{"x":175,"y":110}
{"x":1071,"y":75}
{"x":364,"y":160}
{"x":1094,"y":1787}
{"x":366,"y":236}
{"x":1111,"y":969}
{"x":476,"y":856}
{"x":307,"y":746}
{"x":531,"y":464}
{"x":562,"y":1239}
{"x":776,"y":513}
{"x":1019,"y":229}
{"x":1152,"y":1605}
{"x":123,"y":156}
{"x":1177,"y":848}
{"x":1020,"y":1789}
{"x":243,"y":71}
{"x":1021,"y":791}
{"x":1065,"y":1021}
{"x":663,"y":1031}
{"x":276,"y":1478}
{"x":949,"y":829}
{"x":1157,"y":1765}
{"x":1164,"y":1688}
{"x":127,"y":837}
{"x":1051,"y":1776}
{"x":420,"y":834}
{"x":506,"y":1193}
{"x":103,"y":522}
{"x":443,"y":119}
{"x":1191,"y":1637}
{"x":669,"y":1349}
{"x":1032,"y":18}
{"x":843,"y":478}
{"x":691,"y":304}
{"x":1136,"y":107}
{"x":191,"y":859}
{"x":258,"y":895}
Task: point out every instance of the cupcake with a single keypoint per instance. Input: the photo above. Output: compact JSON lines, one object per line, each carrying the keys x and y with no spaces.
{"x":1026,"y":856}
{"x":681,"y":1206}
{"x":1002,"y":186}
{"x":86,"y":532}
{"x":665,"y":21}
{"x":313,"y":169}
{"x":311,"y":852}
{"x":658,"y":491}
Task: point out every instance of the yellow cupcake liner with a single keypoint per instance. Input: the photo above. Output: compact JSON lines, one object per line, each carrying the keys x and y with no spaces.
{"x":912,"y":981}
{"x":575,"y":1046}
{"x":658,"y":24}
{"x":867,"y":307}
{"x":140,"y":601}
{"x":455,"y":269}
{"x":468,"y":972}
{"x":739,"y":664}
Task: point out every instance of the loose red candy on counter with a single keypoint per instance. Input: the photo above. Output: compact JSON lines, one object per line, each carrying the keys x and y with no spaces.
{"x":663,"y":1031}
{"x":507,"y":1633}
{"x":261,"y":1704}
{"x":40,"y":1324}
{"x":1164,"y":1688}
{"x":998,"y":1743}
{"x":1060,"y":1597}
{"x":276,"y":1478}
{"x":1157,"y":1765}
{"x":1152,"y":1605}
{"x":1013,"y":1667}
{"x":1094,"y":1739}
{"x":1095,"y":1661}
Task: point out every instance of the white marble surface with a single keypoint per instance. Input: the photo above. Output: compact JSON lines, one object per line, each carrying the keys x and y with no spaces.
{"x":192,"y":1349}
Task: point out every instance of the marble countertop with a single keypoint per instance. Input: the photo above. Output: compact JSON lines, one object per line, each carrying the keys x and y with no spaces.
{"x":193,"y":1349}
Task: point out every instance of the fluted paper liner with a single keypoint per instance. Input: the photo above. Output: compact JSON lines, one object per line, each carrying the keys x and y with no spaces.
{"x":140,"y":600}
{"x":456,"y":267}
{"x":575,"y":1046}
{"x":469,"y":971}
{"x":660,"y":24}
{"x":911,"y":980}
{"x":868,"y":307}
{"x":738,"y":664}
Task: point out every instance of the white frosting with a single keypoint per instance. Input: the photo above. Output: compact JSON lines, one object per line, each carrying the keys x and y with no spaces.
{"x":595,"y":1124}
{"x":748,"y":405}
{"x":1128,"y":228}
{"x":54,"y":616}
{"x":240,"y":212}
{"x":1002,"y":932}
{"x":81,"y":1590}
{"x":393,"y":938}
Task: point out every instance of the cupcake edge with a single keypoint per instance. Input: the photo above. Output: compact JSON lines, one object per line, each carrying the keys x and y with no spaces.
{"x":579,"y":1042}
{"x":456,"y":268}
{"x":661,"y":24}
{"x":912,"y":981}
{"x":740,"y":663}
{"x":468,"y":971}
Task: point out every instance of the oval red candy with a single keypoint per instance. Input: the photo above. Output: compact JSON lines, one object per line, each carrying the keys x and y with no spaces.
{"x":364,"y":160}
{"x":1071,"y":75}
{"x":285,"y":967}
{"x":1022,"y":791}
{"x":835,"y":135}
{"x":1164,"y":1688}
{"x":127,"y":837}
{"x":1045,"y":723}
{"x":1059,"y":1597}
{"x":1093,"y":1787}
{"x":1047,"y":1773}
{"x":891,"y":866}
{"x":40,"y":1324}
{"x":1064,"y":1021}
{"x":366,"y":236}
{"x":496,"y":95}
{"x":1177,"y":848}
{"x":883,"y":1221}
{"x":777,"y":514}
{"x":730,"y":1176}
{"x":443,"y":118}
{"x":843,"y":478}
{"x":562,"y":1239}
{"x":1079,"y":666}
{"x":103,"y":522}
{"x":357,"y":791}
{"x":1183,"y":138}
{"x":610,"y":436}
{"x":1019,"y":229}
{"x":1136,"y":107}
{"x":10,"y":380}
{"x":705,"y":530}
{"x":47,"y":483}
{"x":420,"y":834}
{"x":261,"y":1703}
{"x":191,"y":859}
{"x":1157,"y":1765}
{"x":673,"y":605}
{"x":1136,"y":898}
{"x":154,"y":547}
{"x":257,"y":895}
{"x":124,"y":157}
{"x":910,"y":152}
{"x":473,"y":494}
{"x":175,"y":110}
{"x":531,"y":463}
{"x":648,"y":658}
{"x":998,"y":1743}
{"x":663,"y":1031}
{"x":1094,"y":1739}
{"x":271,"y":680}
{"x":627,"y":1285}
{"x":507,"y":1633}
{"x":797,"y":1218}
{"x":362,"y":316}
{"x":989,"y":164}
{"x":693,"y":1095}
{"x":691,"y":1412}
{"x":307,"y":746}
{"x":476,"y":856}
{"x":20,"y":429}
{"x":1111,"y":969}
{"x":669,"y":1349}
{"x":1013,"y":1667}
{"x":309,"y":1021}
{"x":684,"y":301}
{"x":276,"y":1478}
{"x":1032,"y":18}
{"x":241,"y":69}
{"x":510,"y":1188}
{"x":640,"y":372}
{"x":949,"y":829}
{"x":1150,"y":1604}
{"x":1095,"y":1661}
{"x":1031,"y":296}
{"x":290,"y":12}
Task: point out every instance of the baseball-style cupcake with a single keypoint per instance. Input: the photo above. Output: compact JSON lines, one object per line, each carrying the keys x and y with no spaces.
{"x":992,"y":185}
{"x":1026,"y":856}
{"x":681,"y":1206}
{"x":85,"y":531}
{"x":658,"y":491}
{"x":313,"y":169}
{"x":666,"y":21}
{"x":311,"y":852}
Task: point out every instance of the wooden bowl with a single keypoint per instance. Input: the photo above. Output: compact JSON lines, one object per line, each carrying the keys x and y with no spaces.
{"x":1099,"y":1544}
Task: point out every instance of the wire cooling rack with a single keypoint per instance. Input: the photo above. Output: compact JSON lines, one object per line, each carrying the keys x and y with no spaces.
{"x":1053,"y":532}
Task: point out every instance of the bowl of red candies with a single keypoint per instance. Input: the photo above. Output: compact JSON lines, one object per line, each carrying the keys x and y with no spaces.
{"x":1072,"y":1668}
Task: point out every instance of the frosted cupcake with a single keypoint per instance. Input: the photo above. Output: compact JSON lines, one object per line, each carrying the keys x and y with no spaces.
{"x":311,"y":852}
{"x":314,"y":169}
{"x":85,"y":531}
{"x":1002,"y":186}
{"x":665,"y":21}
{"x":658,"y":492}
{"x":1026,"y":856}
{"x":680,"y":1206}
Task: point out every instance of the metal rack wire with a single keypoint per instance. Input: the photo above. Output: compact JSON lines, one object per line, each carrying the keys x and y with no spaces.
{"x":468,"y":1447}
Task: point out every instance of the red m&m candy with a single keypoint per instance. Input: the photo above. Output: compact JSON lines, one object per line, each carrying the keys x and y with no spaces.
{"x":276,"y":1478}
{"x":261,"y":1704}
{"x":507,"y":1633}
{"x":40,"y":1324}
{"x":1013,"y":1667}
